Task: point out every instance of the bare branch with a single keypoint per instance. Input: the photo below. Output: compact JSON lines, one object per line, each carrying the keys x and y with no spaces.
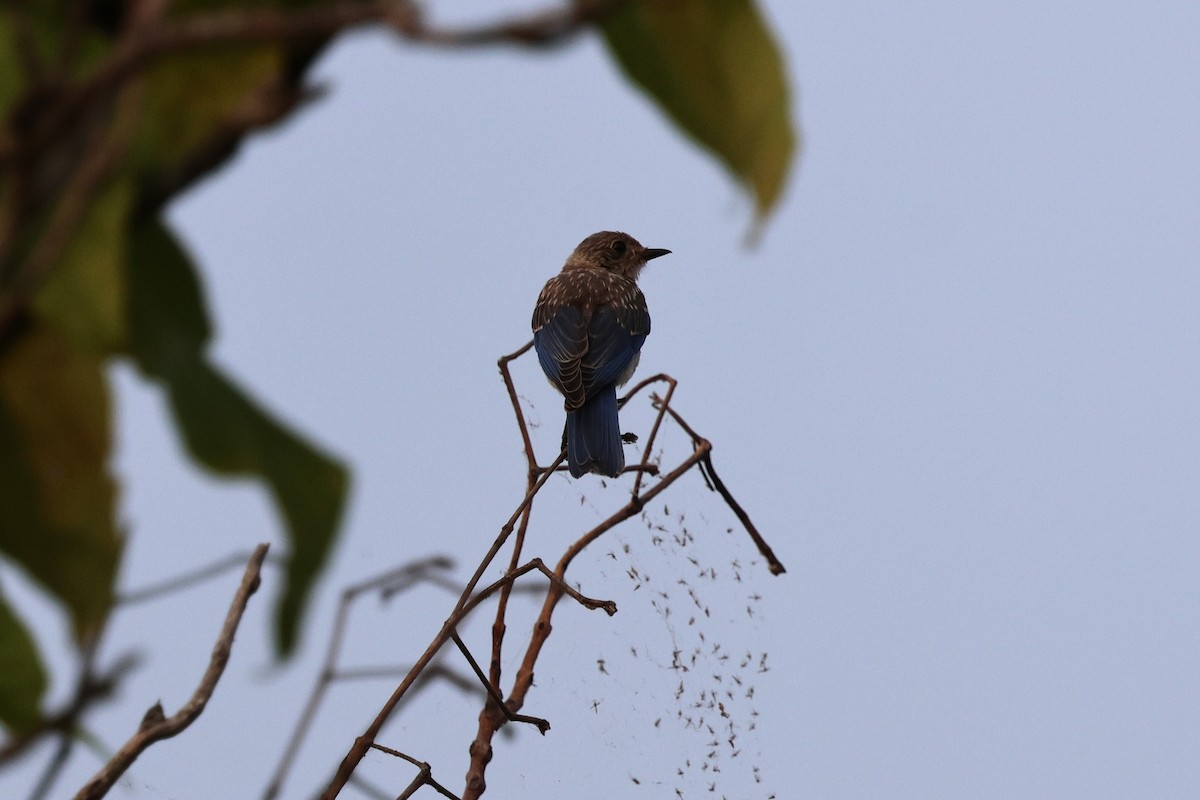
{"x":155,"y":725}
{"x":425,"y":776}
{"x":186,"y":580}
{"x":144,"y":44}
{"x":773,"y":564}
{"x":386,"y":583}
{"x":649,"y":448}
{"x":516,"y":403}
{"x":90,"y":688}
{"x":717,"y":485}
{"x":541,"y":724}
{"x":531,"y":480}
{"x":497,"y":711}
{"x":608,"y":606}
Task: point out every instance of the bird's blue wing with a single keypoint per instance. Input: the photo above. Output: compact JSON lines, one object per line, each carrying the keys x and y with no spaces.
{"x":614,"y":337}
{"x":561,"y":341}
{"x":560,"y":338}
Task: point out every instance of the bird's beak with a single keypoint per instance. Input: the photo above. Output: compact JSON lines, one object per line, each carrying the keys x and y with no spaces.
{"x":653,"y":252}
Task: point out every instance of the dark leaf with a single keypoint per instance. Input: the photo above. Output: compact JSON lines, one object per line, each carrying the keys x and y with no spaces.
{"x":223,"y":429}
{"x":22,"y":676}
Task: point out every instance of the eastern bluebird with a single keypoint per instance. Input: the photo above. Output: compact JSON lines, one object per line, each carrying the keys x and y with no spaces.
{"x":588,"y":328}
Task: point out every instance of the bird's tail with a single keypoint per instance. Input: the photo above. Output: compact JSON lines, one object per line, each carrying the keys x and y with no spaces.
{"x":594,"y":437}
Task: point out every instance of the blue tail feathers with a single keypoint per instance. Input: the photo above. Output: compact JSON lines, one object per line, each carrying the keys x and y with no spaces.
{"x":594,"y":437}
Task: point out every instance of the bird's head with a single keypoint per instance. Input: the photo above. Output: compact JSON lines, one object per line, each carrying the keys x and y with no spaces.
{"x":614,"y":251}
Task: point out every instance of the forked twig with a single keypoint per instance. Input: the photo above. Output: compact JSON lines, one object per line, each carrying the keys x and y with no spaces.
{"x":425,"y":777}
{"x":541,"y":724}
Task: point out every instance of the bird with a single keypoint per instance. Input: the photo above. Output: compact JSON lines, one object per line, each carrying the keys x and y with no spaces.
{"x":589,"y":325}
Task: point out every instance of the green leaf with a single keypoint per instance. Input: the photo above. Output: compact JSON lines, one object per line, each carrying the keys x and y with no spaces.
{"x":714,"y":68}
{"x":22,"y":676}
{"x":167,"y":317}
{"x":85,"y":295}
{"x":223,"y":429}
{"x":57,"y":499}
{"x":192,"y":96}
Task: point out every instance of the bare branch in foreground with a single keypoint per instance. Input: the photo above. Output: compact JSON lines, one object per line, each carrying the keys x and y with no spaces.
{"x":155,"y":725}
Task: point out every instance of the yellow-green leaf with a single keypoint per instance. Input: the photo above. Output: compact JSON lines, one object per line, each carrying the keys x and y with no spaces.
{"x":715,"y":69}
{"x":85,"y":295}
{"x":223,"y":429}
{"x":192,"y":96}
{"x":22,"y":676}
{"x":57,"y":498}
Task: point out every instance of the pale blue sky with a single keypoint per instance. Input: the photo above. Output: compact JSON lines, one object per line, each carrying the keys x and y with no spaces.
{"x":955,"y":386}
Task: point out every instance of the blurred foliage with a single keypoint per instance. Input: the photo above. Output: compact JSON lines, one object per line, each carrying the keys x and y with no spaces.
{"x":57,"y":499}
{"x":22,"y":677}
{"x":714,"y":68}
{"x":103,"y":119}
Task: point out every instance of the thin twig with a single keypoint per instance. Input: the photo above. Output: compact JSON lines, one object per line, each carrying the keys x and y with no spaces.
{"x":541,"y":724}
{"x":62,"y":752}
{"x":85,"y":689}
{"x":425,"y":777}
{"x":186,"y":580}
{"x":497,"y":711}
{"x":481,"y":750}
{"x":90,"y":688}
{"x":386,"y":583}
{"x":505,"y":532}
{"x":590,"y":603}
{"x":155,"y":725}
{"x":465,"y":604}
{"x":773,"y":563}
{"x":716,"y":484}
{"x":671,"y":383}
{"x":533,"y":473}
{"x":516,"y":403}
{"x":458,"y":680}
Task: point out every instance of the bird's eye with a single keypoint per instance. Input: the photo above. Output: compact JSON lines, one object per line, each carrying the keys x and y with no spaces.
{"x":618,"y":247}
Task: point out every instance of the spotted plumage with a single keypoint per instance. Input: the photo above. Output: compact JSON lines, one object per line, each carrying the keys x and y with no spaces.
{"x":588,"y":328}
